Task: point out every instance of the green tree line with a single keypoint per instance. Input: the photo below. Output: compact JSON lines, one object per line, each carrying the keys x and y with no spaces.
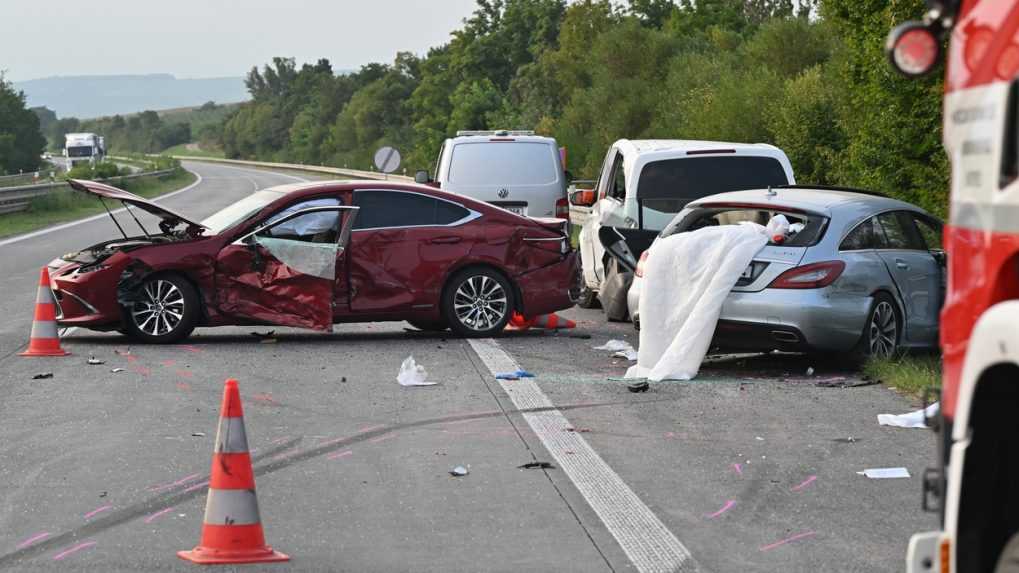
{"x":21,"y":141}
{"x":144,"y":132}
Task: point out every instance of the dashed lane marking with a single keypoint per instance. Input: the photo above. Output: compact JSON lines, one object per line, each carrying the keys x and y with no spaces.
{"x":643,"y":537}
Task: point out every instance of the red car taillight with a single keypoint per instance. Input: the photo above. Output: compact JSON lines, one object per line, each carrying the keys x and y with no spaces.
{"x":562,"y":209}
{"x":814,"y":275}
{"x":639,"y":271}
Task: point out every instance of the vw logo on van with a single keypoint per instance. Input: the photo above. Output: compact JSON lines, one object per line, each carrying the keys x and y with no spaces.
{"x":503,"y":193}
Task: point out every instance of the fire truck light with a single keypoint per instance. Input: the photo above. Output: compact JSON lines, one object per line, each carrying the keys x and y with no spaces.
{"x":913,"y":49}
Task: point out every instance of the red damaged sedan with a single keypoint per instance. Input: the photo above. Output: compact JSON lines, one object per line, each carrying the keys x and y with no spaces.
{"x":314,"y":254}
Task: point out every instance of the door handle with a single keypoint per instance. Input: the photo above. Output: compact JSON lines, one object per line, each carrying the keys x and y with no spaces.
{"x":901,"y":264}
{"x":445,"y":240}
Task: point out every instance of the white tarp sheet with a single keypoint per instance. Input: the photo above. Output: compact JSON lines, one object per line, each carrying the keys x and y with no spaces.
{"x":910,"y":420}
{"x":687,"y":277}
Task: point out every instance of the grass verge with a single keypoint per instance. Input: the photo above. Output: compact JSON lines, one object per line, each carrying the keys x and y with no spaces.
{"x":192,"y":151}
{"x":910,"y":375}
{"x":67,"y":205}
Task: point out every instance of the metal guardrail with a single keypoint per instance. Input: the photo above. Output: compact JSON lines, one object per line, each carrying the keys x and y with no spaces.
{"x":301,"y":167}
{"x":14,"y":199}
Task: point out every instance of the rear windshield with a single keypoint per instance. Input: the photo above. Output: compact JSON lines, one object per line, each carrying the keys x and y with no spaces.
{"x":813,"y":225}
{"x":668,"y":185}
{"x":503,"y":163}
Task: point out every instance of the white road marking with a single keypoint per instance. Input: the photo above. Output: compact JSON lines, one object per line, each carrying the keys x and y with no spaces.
{"x":644,"y":538}
{"x":103,"y":215}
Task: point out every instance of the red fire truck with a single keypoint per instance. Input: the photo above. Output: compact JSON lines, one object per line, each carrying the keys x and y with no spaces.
{"x":976,"y":483}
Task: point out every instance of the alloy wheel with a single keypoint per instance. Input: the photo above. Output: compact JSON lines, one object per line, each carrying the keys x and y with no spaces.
{"x":883,"y":330}
{"x":480,"y":302}
{"x":160,"y":309}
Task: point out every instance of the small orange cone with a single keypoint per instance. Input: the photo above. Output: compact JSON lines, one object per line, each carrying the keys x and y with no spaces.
{"x":552,"y":322}
{"x":518,"y":322}
{"x":44,"y":340}
{"x":232,"y":528}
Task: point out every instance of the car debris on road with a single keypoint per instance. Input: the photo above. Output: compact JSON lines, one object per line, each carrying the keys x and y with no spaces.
{"x":885,"y":473}
{"x":42,"y":376}
{"x":93,"y":361}
{"x":413,"y":374}
{"x":460,"y":471}
{"x":536,"y":466}
{"x":915,"y":419}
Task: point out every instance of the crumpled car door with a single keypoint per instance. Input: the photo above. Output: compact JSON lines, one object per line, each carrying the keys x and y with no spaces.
{"x":284,"y":273}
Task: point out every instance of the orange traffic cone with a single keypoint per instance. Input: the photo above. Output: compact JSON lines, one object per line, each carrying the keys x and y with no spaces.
{"x":232,"y":528}
{"x":44,"y":340}
{"x":518,"y":322}
{"x":552,"y":322}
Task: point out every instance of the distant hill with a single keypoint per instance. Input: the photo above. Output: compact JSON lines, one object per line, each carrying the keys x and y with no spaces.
{"x":96,"y":96}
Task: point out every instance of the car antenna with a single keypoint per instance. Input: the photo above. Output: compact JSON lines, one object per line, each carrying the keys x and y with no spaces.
{"x":115,"y":222}
{"x":130,"y":212}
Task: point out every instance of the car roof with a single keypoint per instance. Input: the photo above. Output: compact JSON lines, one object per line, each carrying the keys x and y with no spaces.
{"x":311,"y":188}
{"x":817,"y":200}
{"x":686,"y":145}
{"x":501,"y":139}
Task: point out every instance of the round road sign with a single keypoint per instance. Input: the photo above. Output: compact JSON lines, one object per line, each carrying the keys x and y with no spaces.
{"x":387,"y":159}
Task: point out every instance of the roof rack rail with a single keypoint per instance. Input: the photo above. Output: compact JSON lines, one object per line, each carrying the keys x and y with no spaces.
{"x":497,"y":133}
{"x":832,"y":188}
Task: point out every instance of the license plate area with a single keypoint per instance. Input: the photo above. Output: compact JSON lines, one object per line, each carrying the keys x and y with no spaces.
{"x":513,"y":207}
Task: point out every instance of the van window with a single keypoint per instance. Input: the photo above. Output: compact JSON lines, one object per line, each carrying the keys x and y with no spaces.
{"x":495,"y":163}
{"x":668,"y":185}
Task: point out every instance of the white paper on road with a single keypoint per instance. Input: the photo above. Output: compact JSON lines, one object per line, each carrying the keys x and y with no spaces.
{"x":910,"y":420}
{"x":885,"y":473}
{"x":687,"y":277}
{"x":413,"y":374}
{"x":619,"y":349}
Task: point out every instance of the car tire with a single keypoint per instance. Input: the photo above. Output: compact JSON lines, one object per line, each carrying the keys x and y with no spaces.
{"x":882,"y":331}
{"x":588,"y":298}
{"x":614,"y":291}
{"x":167,"y":309}
{"x":429,"y":325}
{"x":477,"y":302}
{"x":1008,"y":561}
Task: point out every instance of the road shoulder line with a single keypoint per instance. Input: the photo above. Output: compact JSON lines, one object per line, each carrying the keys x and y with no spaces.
{"x":650,"y":546}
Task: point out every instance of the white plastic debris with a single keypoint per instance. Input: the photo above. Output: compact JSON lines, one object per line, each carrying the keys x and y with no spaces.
{"x":885,"y":473}
{"x":778,"y":228}
{"x":413,"y":374}
{"x":629,"y":354}
{"x":910,"y":420}
{"x":686,"y":280}
{"x":93,"y":361}
{"x":116,"y":370}
{"x":810,"y":371}
{"x":615,"y":346}
{"x":460,"y":471}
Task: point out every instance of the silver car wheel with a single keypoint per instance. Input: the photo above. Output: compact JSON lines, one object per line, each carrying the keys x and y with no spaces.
{"x":160,"y":310}
{"x":480,"y":303}
{"x":883,"y":331}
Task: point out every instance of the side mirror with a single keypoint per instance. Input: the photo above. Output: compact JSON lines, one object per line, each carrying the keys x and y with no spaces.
{"x":940,"y":257}
{"x":582,"y":197}
{"x":422,"y":177}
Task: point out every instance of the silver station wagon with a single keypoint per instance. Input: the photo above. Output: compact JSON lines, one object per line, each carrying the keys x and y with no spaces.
{"x":865,"y":274}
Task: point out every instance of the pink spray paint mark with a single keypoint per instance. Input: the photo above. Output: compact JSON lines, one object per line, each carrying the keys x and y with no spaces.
{"x":189,"y":348}
{"x":183,"y":386}
{"x":181,"y":481}
{"x":152,"y":517}
{"x":338,"y":455}
{"x":381,"y":438}
{"x":670,"y":434}
{"x":728,"y":505}
{"x":131,"y":358}
{"x":168,"y":363}
{"x":370,"y":428}
{"x":143,"y":370}
{"x":74,"y":549}
{"x":805,"y":483}
{"x":788,"y":540}
{"x":185,"y":374}
{"x":33,"y":539}
{"x":197,"y":486}
{"x":737,"y":468}
{"x":97,"y":511}
{"x":280,"y":440}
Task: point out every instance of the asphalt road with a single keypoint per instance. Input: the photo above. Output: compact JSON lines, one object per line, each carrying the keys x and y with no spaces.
{"x":751,"y":467}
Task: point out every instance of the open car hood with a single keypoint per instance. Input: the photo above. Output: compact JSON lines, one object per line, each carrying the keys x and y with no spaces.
{"x":103,"y":191}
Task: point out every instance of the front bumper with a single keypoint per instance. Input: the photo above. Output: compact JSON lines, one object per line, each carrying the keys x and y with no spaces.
{"x":86,"y":299}
{"x":794,"y":320}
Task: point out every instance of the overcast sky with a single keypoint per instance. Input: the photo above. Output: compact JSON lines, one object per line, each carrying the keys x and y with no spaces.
{"x":209,"y":38}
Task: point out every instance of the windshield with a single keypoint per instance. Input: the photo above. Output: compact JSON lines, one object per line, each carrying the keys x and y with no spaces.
{"x":79,"y":151}
{"x":668,"y":185}
{"x":239,"y":211}
{"x":503,"y":163}
{"x":813,"y":226}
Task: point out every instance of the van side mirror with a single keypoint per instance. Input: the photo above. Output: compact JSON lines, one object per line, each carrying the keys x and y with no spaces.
{"x":422,"y":177}
{"x":582,"y":197}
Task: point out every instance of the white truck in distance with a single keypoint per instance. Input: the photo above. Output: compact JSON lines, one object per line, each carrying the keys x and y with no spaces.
{"x":83,"y":148}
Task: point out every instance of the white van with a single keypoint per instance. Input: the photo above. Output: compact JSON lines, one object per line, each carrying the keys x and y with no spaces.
{"x":515,"y":170}
{"x":644,"y":183}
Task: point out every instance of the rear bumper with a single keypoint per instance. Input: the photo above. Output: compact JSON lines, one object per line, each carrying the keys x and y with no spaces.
{"x":552,"y":288}
{"x":795,"y":320}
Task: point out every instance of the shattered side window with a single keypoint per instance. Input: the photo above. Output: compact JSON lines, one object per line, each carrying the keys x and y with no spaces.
{"x":320,"y":227}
